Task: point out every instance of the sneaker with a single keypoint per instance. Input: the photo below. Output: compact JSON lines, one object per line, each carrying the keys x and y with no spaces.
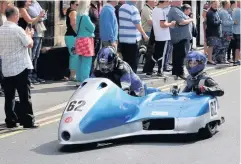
{"x":182,"y":77}
{"x":31,"y":86}
{"x":160,"y":74}
{"x":1,"y":93}
{"x":34,"y":81}
{"x":230,"y":61}
{"x":236,"y":63}
{"x":149,"y":74}
{"x":224,"y":62}
{"x":167,"y":69}
{"x":40,"y":80}
{"x":78,"y":84}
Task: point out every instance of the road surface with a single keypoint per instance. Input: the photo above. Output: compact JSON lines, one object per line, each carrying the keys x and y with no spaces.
{"x":40,"y":146}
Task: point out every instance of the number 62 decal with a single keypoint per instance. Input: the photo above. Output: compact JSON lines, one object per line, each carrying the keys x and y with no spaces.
{"x":75,"y":105}
{"x":213,"y":107}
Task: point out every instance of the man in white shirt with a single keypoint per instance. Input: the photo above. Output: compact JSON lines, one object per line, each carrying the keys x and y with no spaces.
{"x":14,"y":44}
{"x":162,"y":36}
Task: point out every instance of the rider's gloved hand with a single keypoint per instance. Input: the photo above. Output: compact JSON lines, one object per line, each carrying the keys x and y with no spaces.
{"x":199,"y":89}
{"x":127,"y":90}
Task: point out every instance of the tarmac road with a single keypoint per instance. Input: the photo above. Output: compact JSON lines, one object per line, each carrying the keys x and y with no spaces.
{"x":40,"y":146}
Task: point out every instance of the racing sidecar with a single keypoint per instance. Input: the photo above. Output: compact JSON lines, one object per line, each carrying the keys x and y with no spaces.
{"x":99,"y":110}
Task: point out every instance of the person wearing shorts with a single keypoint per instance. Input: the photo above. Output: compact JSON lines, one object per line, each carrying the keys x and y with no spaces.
{"x":213,"y":31}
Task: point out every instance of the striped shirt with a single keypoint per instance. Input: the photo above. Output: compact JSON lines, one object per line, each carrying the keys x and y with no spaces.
{"x":129,"y":17}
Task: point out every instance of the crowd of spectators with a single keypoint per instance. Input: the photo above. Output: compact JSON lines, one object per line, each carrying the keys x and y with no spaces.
{"x":222,"y":32}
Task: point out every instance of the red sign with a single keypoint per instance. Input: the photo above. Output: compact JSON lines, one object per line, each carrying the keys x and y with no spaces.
{"x":68,"y":120}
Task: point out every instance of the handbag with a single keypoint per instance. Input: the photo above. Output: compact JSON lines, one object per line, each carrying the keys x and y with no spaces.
{"x":84,"y":46}
{"x":73,"y":49}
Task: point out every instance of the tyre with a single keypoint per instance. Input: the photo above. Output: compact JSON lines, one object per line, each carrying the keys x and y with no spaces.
{"x":209,"y":130}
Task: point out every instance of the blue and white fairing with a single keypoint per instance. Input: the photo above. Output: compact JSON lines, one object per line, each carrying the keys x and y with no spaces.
{"x":99,"y":110}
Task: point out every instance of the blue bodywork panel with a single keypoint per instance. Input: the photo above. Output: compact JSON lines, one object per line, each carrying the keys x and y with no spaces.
{"x":116,"y":108}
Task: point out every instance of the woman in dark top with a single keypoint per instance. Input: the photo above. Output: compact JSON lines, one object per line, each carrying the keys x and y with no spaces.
{"x":24,"y":17}
{"x":70,"y":37}
{"x":94,"y":14}
{"x":24,"y":20}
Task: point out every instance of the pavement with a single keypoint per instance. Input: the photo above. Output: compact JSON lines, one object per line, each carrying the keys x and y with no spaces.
{"x":40,"y":146}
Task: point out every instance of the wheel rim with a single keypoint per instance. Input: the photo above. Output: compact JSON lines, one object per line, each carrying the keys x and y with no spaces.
{"x":212,"y":126}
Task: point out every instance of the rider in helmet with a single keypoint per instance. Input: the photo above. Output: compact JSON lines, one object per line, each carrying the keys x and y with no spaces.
{"x":198,"y":80}
{"x":109,"y":65}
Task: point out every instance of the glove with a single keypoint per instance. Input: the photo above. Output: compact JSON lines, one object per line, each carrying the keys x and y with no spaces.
{"x":127,"y":90}
{"x":199,"y":89}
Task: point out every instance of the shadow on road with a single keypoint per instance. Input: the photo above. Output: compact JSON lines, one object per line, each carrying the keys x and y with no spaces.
{"x":53,"y":147}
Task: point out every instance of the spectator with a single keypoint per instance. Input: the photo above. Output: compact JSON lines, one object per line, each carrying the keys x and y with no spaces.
{"x":16,"y":63}
{"x":180,"y":37}
{"x":162,"y":36}
{"x":130,"y":33}
{"x":236,"y":32}
{"x":146,"y":16}
{"x":117,"y":7}
{"x":70,"y":37}
{"x":94,"y":13}
{"x":187,"y":9}
{"x":109,"y":25}
{"x":167,"y":67}
{"x":34,"y":11}
{"x":24,"y":20}
{"x":3,"y":6}
{"x":204,"y":14}
{"x":84,"y":43}
{"x":213,"y":30}
{"x":231,"y":48}
{"x":227,"y":32}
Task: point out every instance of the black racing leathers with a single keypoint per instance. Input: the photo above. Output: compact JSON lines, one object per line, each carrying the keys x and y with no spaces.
{"x":202,"y":84}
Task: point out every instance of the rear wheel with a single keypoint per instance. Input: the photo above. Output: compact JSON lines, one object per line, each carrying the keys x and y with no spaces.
{"x":209,"y":130}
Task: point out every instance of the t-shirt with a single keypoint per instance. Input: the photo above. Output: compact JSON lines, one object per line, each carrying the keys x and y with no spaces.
{"x":236,"y":17}
{"x":179,"y":32}
{"x":161,"y":34}
{"x":146,"y":15}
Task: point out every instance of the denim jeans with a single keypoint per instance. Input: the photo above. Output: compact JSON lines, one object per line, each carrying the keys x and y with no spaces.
{"x":37,"y":44}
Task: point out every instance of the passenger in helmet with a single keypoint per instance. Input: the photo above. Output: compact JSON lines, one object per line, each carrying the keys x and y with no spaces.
{"x":109,"y":65}
{"x":198,"y":80}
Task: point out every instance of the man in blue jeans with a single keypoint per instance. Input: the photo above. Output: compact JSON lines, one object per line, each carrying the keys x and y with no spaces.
{"x":34,"y":10}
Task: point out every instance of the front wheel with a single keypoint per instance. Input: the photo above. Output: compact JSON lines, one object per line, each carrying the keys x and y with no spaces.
{"x":209,"y":130}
